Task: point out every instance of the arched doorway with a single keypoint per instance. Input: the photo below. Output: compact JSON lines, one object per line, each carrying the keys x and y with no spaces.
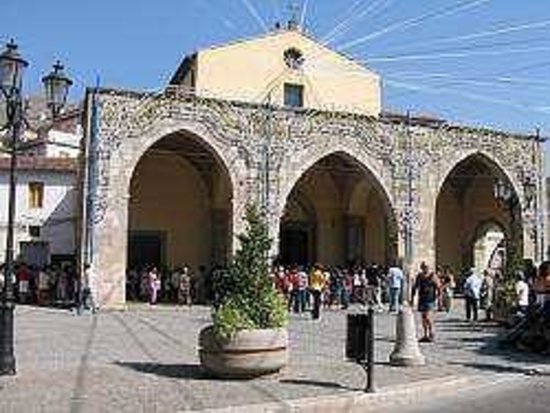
{"x":489,"y":246}
{"x":475,"y":220}
{"x":179,"y":208}
{"x":337,"y":214}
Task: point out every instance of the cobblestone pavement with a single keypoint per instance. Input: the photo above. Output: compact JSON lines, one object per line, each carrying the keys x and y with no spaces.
{"x":146,"y":360}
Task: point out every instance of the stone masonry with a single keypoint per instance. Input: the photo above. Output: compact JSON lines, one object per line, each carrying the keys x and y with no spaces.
{"x":409,"y":159}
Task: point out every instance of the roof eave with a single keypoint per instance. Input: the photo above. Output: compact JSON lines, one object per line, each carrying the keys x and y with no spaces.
{"x":183,"y":69}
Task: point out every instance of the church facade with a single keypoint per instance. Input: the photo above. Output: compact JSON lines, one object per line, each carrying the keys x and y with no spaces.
{"x":284,"y":122}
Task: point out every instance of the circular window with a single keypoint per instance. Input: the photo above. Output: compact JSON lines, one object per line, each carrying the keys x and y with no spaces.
{"x":294,"y":58}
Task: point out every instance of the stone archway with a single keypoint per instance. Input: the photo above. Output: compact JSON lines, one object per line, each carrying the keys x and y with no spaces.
{"x":179,"y":209}
{"x":466,"y":202}
{"x":122,"y":125}
{"x":488,"y":245}
{"x":339,"y":213}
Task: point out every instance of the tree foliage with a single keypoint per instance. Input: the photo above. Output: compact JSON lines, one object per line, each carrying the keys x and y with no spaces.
{"x":245,"y":295}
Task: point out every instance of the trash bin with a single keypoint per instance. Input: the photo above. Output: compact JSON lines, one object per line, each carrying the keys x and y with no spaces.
{"x":356,"y":342}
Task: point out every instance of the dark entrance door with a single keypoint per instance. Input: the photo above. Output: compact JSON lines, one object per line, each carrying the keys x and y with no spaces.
{"x":145,"y":249}
{"x":294,"y":247}
{"x":35,"y":253}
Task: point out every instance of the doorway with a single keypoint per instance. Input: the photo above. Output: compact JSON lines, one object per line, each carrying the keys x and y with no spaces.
{"x":294,"y":246}
{"x":146,"y":249}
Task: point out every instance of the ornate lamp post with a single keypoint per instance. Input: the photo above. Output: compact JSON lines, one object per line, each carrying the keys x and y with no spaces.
{"x":504,"y":193}
{"x":57,"y":85}
{"x":531,"y":197}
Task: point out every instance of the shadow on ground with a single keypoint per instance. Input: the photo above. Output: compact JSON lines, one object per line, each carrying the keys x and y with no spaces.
{"x":507,"y":358}
{"x":507,"y":369}
{"x":316,"y":383}
{"x":173,"y":371}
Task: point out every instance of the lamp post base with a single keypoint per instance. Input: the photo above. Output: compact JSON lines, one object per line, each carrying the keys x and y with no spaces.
{"x":7,"y":356}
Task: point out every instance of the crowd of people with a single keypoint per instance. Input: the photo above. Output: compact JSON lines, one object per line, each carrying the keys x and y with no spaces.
{"x":305,"y":288}
{"x":177,"y":286}
{"x":312,"y":288}
{"x":436,"y":289}
{"x":51,"y":285}
{"x":301,"y":285}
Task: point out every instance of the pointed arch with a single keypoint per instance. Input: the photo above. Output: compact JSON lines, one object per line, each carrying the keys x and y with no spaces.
{"x":344,"y":234}
{"x":484,"y":157}
{"x":180,"y":206}
{"x":186,"y":130}
{"x":466,"y":200}
{"x":304,"y":161}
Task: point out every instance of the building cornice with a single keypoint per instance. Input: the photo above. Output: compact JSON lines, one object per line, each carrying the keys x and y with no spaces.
{"x":40,"y":163}
{"x":384,"y":118}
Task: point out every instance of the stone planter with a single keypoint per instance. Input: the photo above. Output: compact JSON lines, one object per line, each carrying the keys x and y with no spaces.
{"x":249,"y":354}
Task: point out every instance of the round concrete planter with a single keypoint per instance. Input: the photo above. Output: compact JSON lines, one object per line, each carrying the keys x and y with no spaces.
{"x":250,"y":353}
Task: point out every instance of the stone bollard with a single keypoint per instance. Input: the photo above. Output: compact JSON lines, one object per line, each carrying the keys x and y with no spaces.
{"x":406,"y":351}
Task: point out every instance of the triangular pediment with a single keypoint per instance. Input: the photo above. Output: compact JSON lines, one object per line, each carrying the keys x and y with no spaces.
{"x":257,"y":69}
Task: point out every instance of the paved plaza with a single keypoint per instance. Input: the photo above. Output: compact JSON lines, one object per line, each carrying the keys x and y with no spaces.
{"x":146,"y":360}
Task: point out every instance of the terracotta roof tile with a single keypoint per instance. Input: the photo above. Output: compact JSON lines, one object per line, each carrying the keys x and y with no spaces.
{"x":40,"y":163}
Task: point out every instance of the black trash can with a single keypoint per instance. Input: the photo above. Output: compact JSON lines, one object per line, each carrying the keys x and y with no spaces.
{"x":356,"y":342}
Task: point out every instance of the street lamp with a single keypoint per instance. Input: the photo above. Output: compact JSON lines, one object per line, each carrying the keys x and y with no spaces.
{"x":57,"y":85}
{"x":504,"y":193}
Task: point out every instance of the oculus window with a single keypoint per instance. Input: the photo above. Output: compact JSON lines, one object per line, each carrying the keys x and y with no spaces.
{"x":294,"y":59}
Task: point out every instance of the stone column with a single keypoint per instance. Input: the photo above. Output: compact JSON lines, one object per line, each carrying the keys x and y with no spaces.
{"x":424,"y":235}
{"x":110,"y":255}
{"x":111,"y":234}
{"x":221,"y":239}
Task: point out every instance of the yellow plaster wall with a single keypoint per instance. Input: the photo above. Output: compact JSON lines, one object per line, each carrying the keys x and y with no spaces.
{"x":168,"y":195}
{"x":367,"y":204}
{"x":251,"y":70}
{"x":323,"y":194}
{"x":331,"y":212}
{"x":448,"y":230}
{"x":375,"y":231}
{"x":456,"y":226}
{"x":319,"y":189}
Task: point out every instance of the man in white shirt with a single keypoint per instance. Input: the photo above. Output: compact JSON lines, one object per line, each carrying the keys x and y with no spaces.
{"x":522,"y":292}
{"x":90,"y":289}
{"x":472,"y":292}
{"x":396,"y":281}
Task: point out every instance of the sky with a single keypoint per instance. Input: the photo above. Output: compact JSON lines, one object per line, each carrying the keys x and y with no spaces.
{"x":476,"y":62}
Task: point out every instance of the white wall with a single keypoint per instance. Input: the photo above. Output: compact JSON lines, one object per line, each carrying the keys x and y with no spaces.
{"x":56,"y":218}
{"x":63,"y":144}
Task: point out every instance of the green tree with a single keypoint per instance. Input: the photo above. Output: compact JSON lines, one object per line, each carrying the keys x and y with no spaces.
{"x":245,"y":295}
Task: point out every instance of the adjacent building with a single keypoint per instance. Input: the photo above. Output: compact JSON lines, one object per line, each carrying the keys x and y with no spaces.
{"x":46,"y":176}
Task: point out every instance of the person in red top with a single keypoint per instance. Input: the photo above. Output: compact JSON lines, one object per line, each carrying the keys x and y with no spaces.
{"x":279,"y":281}
{"x":23,"y":280}
{"x":292,"y":280}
